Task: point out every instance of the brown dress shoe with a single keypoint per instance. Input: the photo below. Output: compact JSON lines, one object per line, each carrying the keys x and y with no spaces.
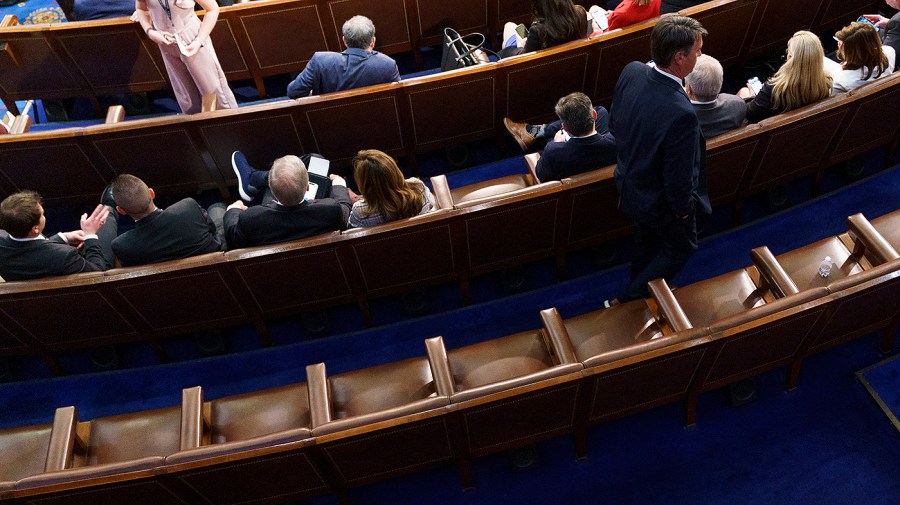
{"x":519,"y":132}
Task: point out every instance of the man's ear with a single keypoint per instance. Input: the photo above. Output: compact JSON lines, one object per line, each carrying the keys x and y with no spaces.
{"x":121,"y":211}
{"x":345,"y":40}
{"x":152,"y":193}
{"x":372,"y":44}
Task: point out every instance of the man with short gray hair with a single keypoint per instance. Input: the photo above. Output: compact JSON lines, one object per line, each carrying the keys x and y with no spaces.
{"x":357,"y":66}
{"x":718,"y":112}
{"x":285,"y":214}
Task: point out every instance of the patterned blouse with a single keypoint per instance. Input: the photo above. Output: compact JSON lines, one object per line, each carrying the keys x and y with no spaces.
{"x":360,"y":216}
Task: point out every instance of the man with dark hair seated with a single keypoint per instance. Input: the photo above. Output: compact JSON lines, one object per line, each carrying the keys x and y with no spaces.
{"x":578,"y":142}
{"x":181,"y":230}
{"x":26,"y":254}
{"x":284,"y":214}
{"x":718,"y":112}
{"x":357,"y":66}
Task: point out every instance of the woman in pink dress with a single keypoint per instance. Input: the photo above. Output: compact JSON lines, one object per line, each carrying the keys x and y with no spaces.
{"x":188,"y":53}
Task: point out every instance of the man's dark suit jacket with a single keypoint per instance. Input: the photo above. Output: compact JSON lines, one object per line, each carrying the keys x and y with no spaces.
{"x":892,"y":32}
{"x":725,"y":114}
{"x":180,"y":231}
{"x":577,"y":155}
{"x":328,"y":72}
{"x":660,"y":149}
{"x":272,"y":222}
{"x":34,"y":259}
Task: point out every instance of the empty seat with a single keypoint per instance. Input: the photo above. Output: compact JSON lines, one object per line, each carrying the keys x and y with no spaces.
{"x":114,"y":459}
{"x":258,"y":450}
{"x":402,"y":400}
{"x":24,"y":453}
{"x":480,"y":191}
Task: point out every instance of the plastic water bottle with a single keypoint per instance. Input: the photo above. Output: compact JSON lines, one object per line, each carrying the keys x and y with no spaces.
{"x":825,"y":266}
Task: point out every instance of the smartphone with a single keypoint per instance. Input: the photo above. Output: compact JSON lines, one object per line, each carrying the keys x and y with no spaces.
{"x":862,"y":19}
{"x":601,"y":20}
{"x":754,"y":84}
{"x":522,"y":31}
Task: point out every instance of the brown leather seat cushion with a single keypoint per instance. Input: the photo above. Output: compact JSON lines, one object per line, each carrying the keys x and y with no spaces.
{"x":489,"y":188}
{"x":710,"y":300}
{"x":24,"y":451}
{"x":802,"y":265}
{"x":250,"y":415}
{"x":889,"y":228}
{"x":605,"y":330}
{"x":499,"y":359}
{"x":133,"y":436}
{"x":380,"y":388}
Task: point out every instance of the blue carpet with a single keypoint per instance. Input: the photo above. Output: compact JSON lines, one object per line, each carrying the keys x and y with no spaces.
{"x":883,"y":382}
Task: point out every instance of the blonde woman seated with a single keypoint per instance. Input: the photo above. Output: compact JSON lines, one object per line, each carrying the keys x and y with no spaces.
{"x":862,"y":56}
{"x":386,"y":196}
{"x":802,"y":80}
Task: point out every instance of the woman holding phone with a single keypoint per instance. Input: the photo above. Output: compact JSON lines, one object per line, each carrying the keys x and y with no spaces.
{"x":555,"y":22}
{"x":188,"y":53}
{"x":862,"y":57}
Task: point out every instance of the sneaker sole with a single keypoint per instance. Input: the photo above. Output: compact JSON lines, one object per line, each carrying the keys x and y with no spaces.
{"x":244,"y":196}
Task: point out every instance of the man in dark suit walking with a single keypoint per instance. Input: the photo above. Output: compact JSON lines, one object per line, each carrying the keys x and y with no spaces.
{"x":26,"y":254}
{"x":181,"y":230}
{"x":659,"y":174}
{"x":284,"y":214}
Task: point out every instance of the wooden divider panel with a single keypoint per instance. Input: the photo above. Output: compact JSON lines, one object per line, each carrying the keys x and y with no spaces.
{"x":535,"y":83}
{"x":614,"y":52}
{"x":778,"y":22}
{"x":452,"y":108}
{"x":391,"y":19}
{"x":728,"y":26}
{"x":38,"y":71}
{"x":838,"y":13}
{"x":224,"y":38}
{"x":113,"y":58}
{"x":727,"y":163}
{"x":866,"y":128}
{"x":435,"y":15}
{"x":269,"y":27}
{"x":59,"y":167}
{"x":594,"y":216}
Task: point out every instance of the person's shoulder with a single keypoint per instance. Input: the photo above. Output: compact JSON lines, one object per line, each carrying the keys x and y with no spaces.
{"x":729,"y":100}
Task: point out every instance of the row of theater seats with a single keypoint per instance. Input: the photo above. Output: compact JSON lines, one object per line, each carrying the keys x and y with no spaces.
{"x":478,"y":229}
{"x":184,"y":154}
{"x":333,"y":432}
{"x":264,"y":38}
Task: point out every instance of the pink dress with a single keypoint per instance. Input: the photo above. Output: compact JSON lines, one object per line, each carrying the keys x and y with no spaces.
{"x":194,"y":76}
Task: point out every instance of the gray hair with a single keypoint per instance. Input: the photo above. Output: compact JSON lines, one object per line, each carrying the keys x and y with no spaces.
{"x":706,"y":79}
{"x":358,"y":32}
{"x":288,"y":180}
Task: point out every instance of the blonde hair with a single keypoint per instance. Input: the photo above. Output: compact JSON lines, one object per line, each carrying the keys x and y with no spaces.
{"x":384,"y":188}
{"x":642,"y":3}
{"x":861,"y":48}
{"x":802,"y":79}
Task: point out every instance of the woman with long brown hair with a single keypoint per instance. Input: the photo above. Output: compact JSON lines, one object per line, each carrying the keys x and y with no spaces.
{"x":862,"y":57}
{"x":386,"y":196}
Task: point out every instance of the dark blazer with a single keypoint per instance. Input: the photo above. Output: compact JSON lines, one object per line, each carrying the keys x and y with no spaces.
{"x":328,"y":71}
{"x":34,"y":259}
{"x":577,"y":155}
{"x":668,"y":6}
{"x":725,"y":114}
{"x":660,"y":149}
{"x":272,"y":222}
{"x":892,"y":33}
{"x":180,"y":231}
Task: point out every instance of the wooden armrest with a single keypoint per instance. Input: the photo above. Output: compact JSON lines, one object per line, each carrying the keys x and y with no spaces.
{"x":64,"y":440}
{"x":669,"y":307}
{"x":875,"y":246}
{"x":772,"y":273}
{"x":5,"y":47}
{"x":115,"y":114}
{"x":440,"y":366}
{"x":532,"y":161}
{"x":191,"y":417}
{"x":319,"y":395}
{"x":442,"y":191}
{"x":558,"y":337}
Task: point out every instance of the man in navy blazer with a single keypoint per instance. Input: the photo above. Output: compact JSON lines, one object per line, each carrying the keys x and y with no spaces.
{"x":581,"y":140}
{"x":285,"y":214}
{"x":659,"y":173}
{"x":26,"y":254}
{"x":357,"y":66}
{"x":181,"y":230}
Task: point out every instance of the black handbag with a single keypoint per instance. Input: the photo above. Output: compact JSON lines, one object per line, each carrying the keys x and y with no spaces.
{"x":462,"y":51}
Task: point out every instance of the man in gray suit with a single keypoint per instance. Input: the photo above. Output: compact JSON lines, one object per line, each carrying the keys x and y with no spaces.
{"x":718,"y":112}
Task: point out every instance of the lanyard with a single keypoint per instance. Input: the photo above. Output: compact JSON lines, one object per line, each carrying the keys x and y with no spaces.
{"x":165,"y":6}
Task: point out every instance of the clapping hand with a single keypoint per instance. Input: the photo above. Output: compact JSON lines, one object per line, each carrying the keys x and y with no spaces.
{"x":90,"y":225}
